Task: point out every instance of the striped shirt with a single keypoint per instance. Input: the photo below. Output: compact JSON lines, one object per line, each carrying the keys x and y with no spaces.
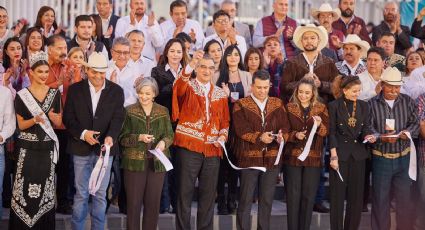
{"x":421,"y":115}
{"x":405,"y":114}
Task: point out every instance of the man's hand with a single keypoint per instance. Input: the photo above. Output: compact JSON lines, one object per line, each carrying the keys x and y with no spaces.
{"x":192,"y":35}
{"x":151,"y":19}
{"x":132,"y":17}
{"x":290,"y":32}
{"x":219,"y":139}
{"x":196,"y":57}
{"x":336,"y":41}
{"x":109,"y":141}
{"x":279,"y":31}
{"x":370,"y":138}
{"x":403,"y":135}
{"x":301,"y":135}
{"x":89,"y":137}
{"x":266,"y":137}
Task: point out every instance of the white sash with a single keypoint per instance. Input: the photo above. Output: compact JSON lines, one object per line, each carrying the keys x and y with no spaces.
{"x":307,"y":147}
{"x":35,"y":110}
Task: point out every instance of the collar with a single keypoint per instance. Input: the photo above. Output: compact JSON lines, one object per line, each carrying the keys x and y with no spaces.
{"x":359,"y":63}
{"x":91,"y":87}
{"x":206,"y":86}
{"x":167,"y":67}
{"x":261,"y":105}
{"x":107,"y":19}
{"x":78,"y":42}
{"x":351,"y":19}
{"x":275,"y":20}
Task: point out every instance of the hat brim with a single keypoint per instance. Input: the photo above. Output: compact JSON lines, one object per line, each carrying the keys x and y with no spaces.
{"x":396,"y":83}
{"x":300,"y":30}
{"x":96,"y":68}
{"x":315,"y":14}
{"x":364,"y":47}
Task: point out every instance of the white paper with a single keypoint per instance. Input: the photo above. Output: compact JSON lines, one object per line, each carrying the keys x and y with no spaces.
{"x":263,"y":169}
{"x":412,"y":163}
{"x":307,"y":147}
{"x":339,"y":174}
{"x":162,"y":158}
{"x":279,"y":153}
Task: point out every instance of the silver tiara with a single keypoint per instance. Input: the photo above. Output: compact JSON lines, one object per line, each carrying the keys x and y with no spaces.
{"x":38,"y":56}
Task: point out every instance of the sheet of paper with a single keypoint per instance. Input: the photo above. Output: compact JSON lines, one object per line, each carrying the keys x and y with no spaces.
{"x":412,"y":162}
{"x":340,"y":176}
{"x":279,"y":153}
{"x":307,"y":147}
{"x":263,"y":169}
{"x":161,"y":157}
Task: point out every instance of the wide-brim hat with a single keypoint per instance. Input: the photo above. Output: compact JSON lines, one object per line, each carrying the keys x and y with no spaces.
{"x":392,"y":76}
{"x":97,"y":61}
{"x":319,"y":30}
{"x":356,"y":40}
{"x":325,"y":8}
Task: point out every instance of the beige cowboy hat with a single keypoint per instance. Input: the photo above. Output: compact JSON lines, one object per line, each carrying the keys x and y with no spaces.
{"x":356,"y":40}
{"x":319,"y":30}
{"x":392,"y":76}
{"x":325,"y":8}
{"x":97,"y":61}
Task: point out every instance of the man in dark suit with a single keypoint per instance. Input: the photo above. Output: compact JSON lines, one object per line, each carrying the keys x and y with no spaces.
{"x":93,"y":114}
{"x":391,"y":24}
{"x":109,"y":20}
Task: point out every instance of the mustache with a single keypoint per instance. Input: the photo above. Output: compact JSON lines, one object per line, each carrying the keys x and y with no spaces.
{"x":62,"y":56}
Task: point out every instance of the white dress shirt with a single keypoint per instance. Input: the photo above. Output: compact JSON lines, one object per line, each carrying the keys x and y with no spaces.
{"x":105,"y":23}
{"x":368,"y":86}
{"x":175,"y":74}
{"x":239,"y":39}
{"x":126,"y":79}
{"x":261,"y":106}
{"x":7,"y":114}
{"x":143,"y":65}
{"x":95,"y":96}
{"x":153,"y":35}
{"x":206,"y":88}
{"x":169,"y":26}
{"x":414,"y":86}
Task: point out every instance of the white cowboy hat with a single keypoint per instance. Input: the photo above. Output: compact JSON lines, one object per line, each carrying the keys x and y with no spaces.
{"x":97,"y":61}
{"x":325,"y":8}
{"x":392,"y":76}
{"x":356,"y":40}
{"x":319,"y":30}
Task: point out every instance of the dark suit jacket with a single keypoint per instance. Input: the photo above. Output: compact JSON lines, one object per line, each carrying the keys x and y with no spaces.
{"x":402,"y":42}
{"x":78,"y":116}
{"x":113,"y":23}
{"x":165,"y":80}
{"x":418,"y":31}
{"x":348,"y":141}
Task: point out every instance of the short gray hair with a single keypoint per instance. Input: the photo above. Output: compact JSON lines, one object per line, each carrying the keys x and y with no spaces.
{"x":146,"y":81}
{"x":121,"y":41}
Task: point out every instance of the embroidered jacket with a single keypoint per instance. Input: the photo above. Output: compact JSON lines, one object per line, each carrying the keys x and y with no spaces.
{"x":196,"y":130}
{"x":294,"y":147}
{"x":247,"y":119}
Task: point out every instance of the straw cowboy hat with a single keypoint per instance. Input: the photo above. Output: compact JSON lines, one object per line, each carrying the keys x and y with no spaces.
{"x":319,"y":30}
{"x":325,"y":8}
{"x":97,"y":61}
{"x":392,"y":76}
{"x":356,"y":40}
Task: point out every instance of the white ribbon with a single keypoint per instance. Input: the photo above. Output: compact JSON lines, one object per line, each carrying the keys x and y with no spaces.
{"x":162,"y":158}
{"x":279,"y":153}
{"x":99,"y":171}
{"x":263,"y":169}
{"x":307,"y":147}
{"x":339,"y":174}
{"x":35,"y":110}
{"x":412,"y":163}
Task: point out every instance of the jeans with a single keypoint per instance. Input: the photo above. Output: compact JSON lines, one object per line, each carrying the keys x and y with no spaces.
{"x":83,"y":166}
{"x":2,"y":157}
{"x":390,"y":177}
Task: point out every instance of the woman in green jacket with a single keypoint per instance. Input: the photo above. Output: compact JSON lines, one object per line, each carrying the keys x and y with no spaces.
{"x":147,"y":126}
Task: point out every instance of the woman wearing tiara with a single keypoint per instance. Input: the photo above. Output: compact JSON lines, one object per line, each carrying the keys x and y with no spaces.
{"x":38,"y":110}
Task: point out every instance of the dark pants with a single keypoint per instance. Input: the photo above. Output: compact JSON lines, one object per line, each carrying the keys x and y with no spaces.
{"x":63,"y":169}
{"x":301,"y":185}
{"x":390,"y":176}
{"x":351,"y":189}
{"x":227,"y":175}
{"x":169,"y":190}
{"x":143,"y":189}
{"x":249,"y":179}
{"x":366,"y":189}
{"x":193,"y":165}
{"x":420,"y":203}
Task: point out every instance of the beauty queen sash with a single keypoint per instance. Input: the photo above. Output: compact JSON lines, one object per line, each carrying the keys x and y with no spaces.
{"x":35,"y":110}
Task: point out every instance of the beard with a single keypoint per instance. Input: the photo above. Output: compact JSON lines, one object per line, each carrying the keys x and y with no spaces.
{"x":389,"y":18}
{"x":310,"y":48}
{"x":347,"y":13}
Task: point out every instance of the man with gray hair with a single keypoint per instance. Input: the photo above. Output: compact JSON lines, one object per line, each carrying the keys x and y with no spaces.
{"x":122,"y":71}
{"x":242,"y":29}
{"x":137,"y":43}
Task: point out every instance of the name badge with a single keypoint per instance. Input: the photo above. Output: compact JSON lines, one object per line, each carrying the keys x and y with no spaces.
{"x":234,"y":96}
{"x":389,"y":124}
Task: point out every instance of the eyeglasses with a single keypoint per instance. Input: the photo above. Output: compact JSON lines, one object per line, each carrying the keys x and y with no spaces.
{"x":121,"y":53}
{"x":222,"y":21}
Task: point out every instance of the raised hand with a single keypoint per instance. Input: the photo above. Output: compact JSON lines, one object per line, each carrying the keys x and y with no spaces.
{"x":108,"y":33}
{"x":151,"y":19}
{"x":225,"y":87}
{"x":192,"y":34}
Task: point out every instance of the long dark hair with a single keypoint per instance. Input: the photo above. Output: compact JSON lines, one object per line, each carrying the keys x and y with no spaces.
{"x":98,"y":22}
{"x":40,"y":13}
{"x":27,"y":39}
{"x":224,"y":67}
{"x":6,"y":59}
{"x":250,"y":51}
{"x":163,"y":60}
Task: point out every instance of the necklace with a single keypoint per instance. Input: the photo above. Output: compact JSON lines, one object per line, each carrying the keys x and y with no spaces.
{"x":351,"y":119}
{"x":233,"y":71}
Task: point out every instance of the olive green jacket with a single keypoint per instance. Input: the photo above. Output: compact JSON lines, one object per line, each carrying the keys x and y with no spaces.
{"x":134,"y":151}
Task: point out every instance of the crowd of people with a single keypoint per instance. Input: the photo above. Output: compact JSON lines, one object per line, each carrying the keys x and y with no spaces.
{"x":86,"y":122}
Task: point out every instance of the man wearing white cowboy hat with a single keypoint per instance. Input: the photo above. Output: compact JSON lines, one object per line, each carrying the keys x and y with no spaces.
{"x":93,"y":115}
{"x":311,"y":40}
{"x":393,"y":118}
{"x":325,"y":15}
{"x":354,"y":49}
